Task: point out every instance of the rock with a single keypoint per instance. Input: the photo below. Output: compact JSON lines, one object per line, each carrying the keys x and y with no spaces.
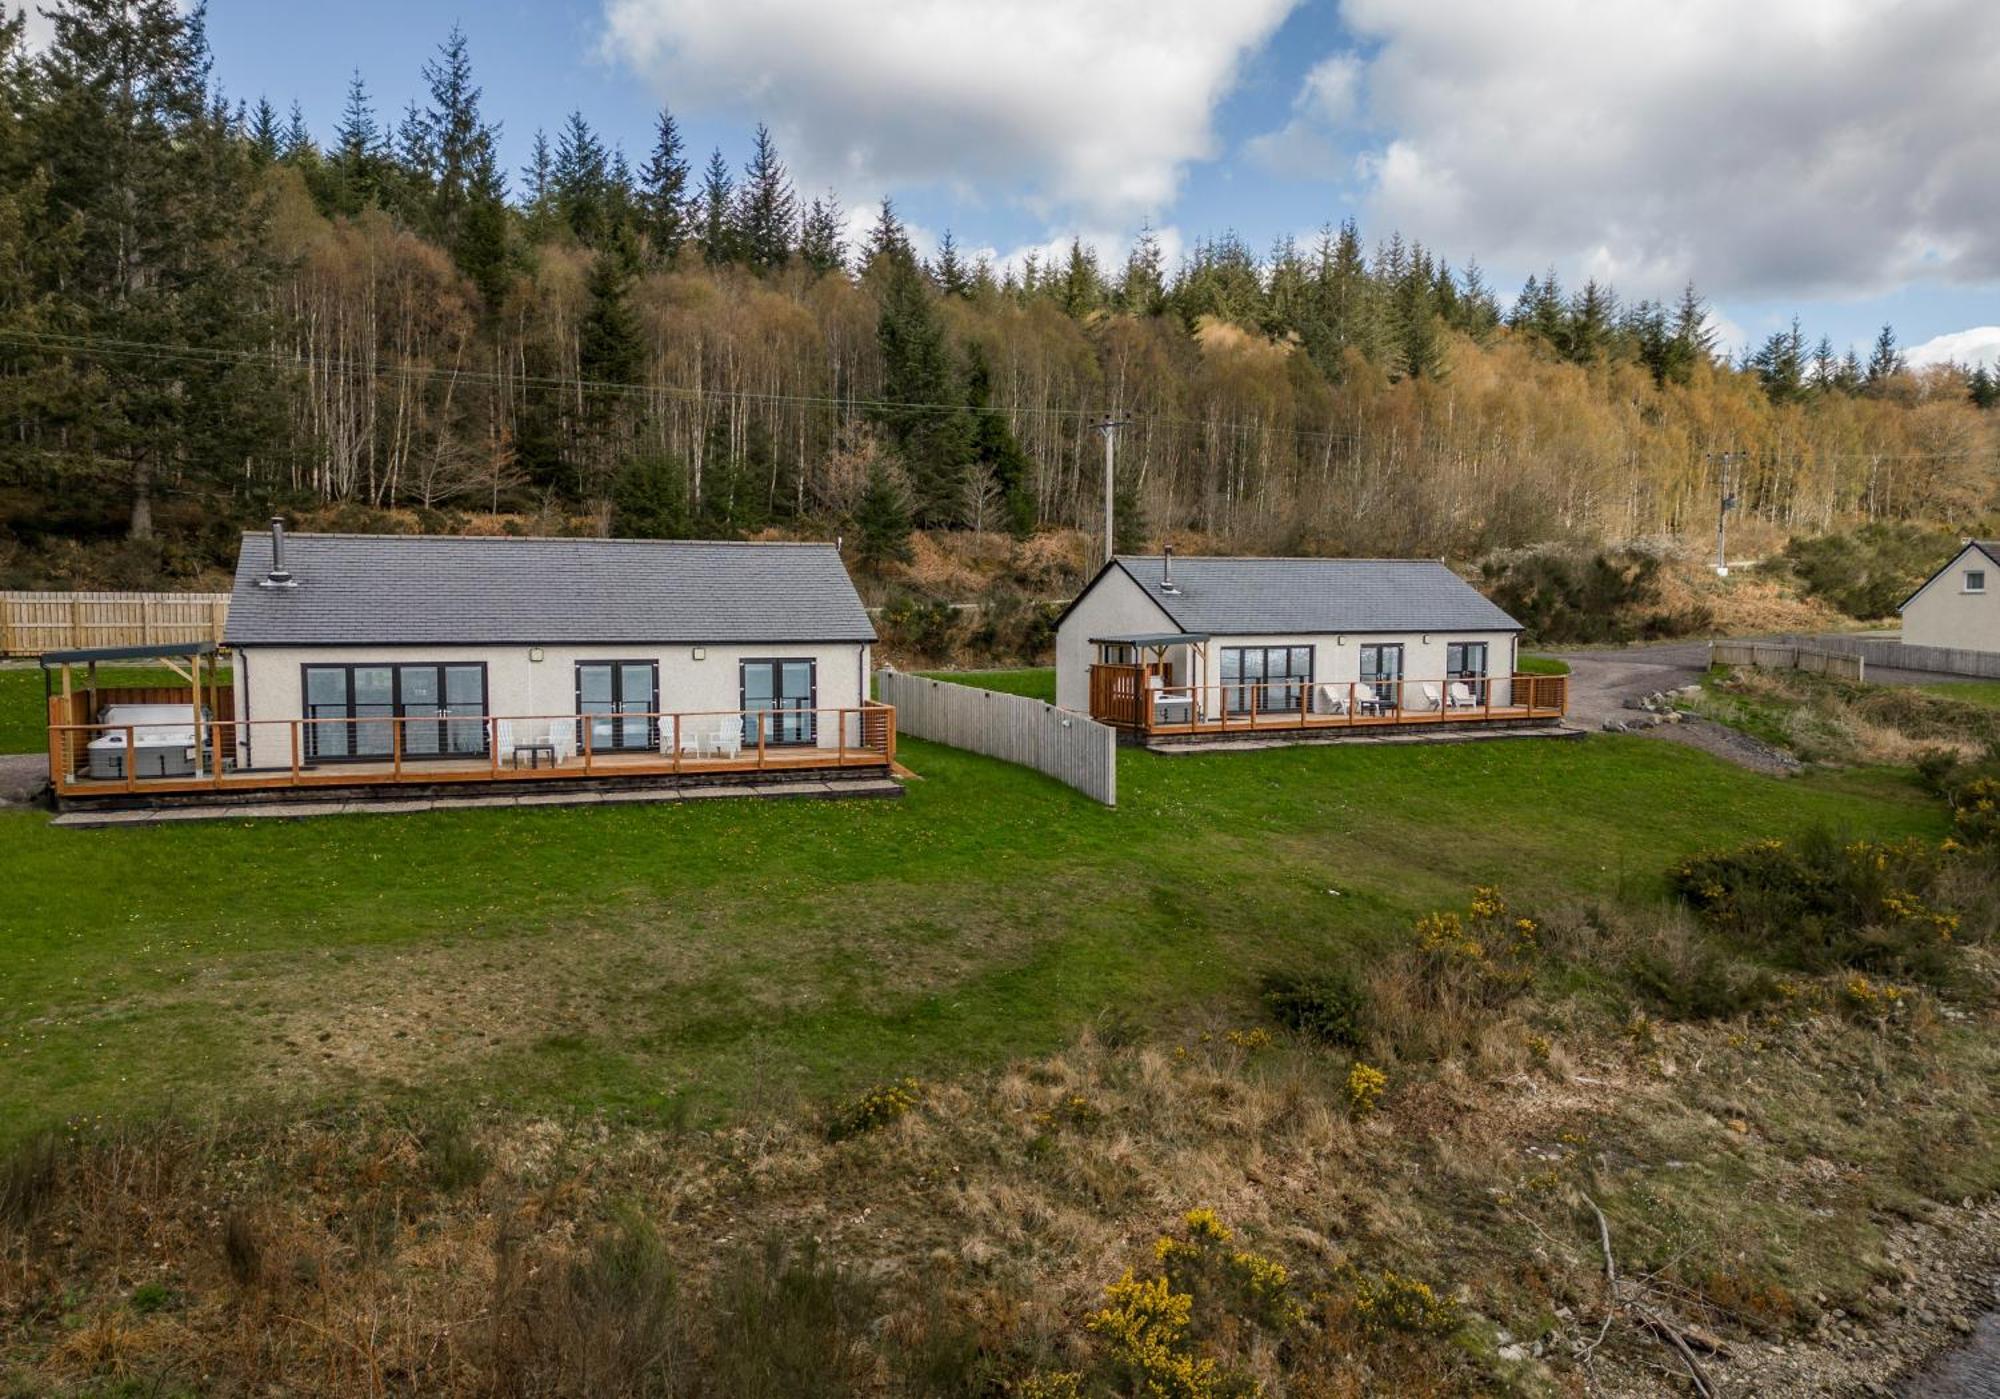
{"x":1514,"y":1353}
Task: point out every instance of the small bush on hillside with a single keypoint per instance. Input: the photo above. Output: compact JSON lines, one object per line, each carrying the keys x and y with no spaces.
{"x":1689,"y":978}
{"x":913,"y":626}
{"x":789,"y":1325}
{"x":1327,"y":1006}
{"x":28,"y":1180}
{"x":1818,"y":905}
{"x":876,"y":1108}
{"x":1867,"y":573}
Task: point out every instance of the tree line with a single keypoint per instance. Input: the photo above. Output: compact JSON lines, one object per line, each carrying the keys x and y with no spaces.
{"x":207,"y":312}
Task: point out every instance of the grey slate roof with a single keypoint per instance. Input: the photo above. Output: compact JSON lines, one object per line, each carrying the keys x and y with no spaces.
{"x":1247,"y":597}
{"x":369,"y":589}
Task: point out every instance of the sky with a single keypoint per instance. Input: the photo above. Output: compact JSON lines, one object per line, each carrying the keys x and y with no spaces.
{"x":1833,"y":159}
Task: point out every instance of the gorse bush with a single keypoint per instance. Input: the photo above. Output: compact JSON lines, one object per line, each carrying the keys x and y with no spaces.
{"x":1868,"y":572}
{"x":1328,"y":1006}
{"x":1570,"y":596}
{"x":1818,"y":905}
{"x":876,"y":1108}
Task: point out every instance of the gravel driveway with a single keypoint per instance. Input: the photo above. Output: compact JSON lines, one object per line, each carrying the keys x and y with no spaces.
{"x":1602,"y":681}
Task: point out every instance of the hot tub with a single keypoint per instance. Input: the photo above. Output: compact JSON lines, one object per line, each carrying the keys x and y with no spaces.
{"x":162,"y":741}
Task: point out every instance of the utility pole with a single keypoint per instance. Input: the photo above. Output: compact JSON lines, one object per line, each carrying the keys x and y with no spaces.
{"x":1724,"y":503}
{"x":1109,"y":427}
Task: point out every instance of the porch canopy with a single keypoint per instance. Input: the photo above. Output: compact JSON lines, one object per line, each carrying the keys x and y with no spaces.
{"x":1152,"y":640}
{"x":183,"y":658}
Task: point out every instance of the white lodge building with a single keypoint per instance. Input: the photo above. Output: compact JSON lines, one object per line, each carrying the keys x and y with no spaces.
{"x":1958,"y":607}
{"x":1166,"y":645}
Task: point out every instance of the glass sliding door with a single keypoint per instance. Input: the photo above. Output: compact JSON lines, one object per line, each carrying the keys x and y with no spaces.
{"x":1273,"y":678}
{"x":620,"y":700}
{"x":778,"y":698}
{"x":1465,"y":665}
{"x":1382,"y":672}
{"x":440,"y":711}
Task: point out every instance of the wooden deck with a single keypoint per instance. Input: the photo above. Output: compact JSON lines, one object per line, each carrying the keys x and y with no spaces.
{"x":860,"y":740}
{"x":1129,"y":698}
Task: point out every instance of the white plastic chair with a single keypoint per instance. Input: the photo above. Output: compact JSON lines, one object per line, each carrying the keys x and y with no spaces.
{"x":1433,"y":697}
{"x":728,"y":739}
{"x":1332,"y":699}
{"x":1462,"y":696}
{"x":504,"y":741}
{"x":1365,"y":698}
{"x":562,"y":739}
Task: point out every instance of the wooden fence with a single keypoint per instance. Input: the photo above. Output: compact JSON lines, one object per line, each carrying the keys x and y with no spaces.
{"x":1841,"y":665}
{"x":1900,"y":655}
{"x":1067,"y":746}
{"x":31,"y":623}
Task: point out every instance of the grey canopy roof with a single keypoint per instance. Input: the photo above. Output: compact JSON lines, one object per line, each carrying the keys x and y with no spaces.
{"x":1249,"y":597}
{"x":369,"y":589}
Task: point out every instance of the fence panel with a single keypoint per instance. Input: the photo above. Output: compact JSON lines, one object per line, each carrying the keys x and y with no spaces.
{"x":1075,"y":750}
{"x":1841,"y":665}
{"x":32,"y":623}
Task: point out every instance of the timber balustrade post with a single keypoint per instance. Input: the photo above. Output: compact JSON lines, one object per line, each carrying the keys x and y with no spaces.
{"x":677,"y":743}
{"x":492,"y":727}
{"x":295,"y":752}
{"x":589,"y":747}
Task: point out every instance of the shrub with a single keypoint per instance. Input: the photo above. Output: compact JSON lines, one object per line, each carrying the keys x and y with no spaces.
{"x":1387,"y":1301}
{"x":1564,"y":595}
{"x":1145,"y":1329}
{"x":28,"y":1180}
{"x":453,"y":1157}
{"x":1687,"y":977}
{"x":1226,"y":1281}
{"x":1868,"y":572}
{"x":876,"y":1108}
{"x":1327,"y":1006}
{"x":1365,"y":1086}
{"x":1818,"y":905}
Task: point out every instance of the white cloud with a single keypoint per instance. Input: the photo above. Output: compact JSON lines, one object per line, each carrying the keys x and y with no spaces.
{"x":1111,"y":246}
{"x":1979,"y":345}
{"x":1790,"y":147}
{"x":1308,"y":144}
{"x":1095,"y":106}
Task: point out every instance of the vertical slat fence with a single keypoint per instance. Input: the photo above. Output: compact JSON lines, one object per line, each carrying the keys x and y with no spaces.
{"x":1077,"y":751}
{"x":32,"y":623}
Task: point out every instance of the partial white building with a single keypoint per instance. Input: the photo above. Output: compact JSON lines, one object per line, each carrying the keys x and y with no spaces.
{"x":1958,"y":606}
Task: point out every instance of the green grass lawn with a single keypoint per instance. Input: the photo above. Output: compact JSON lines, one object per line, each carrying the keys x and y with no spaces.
{"x":1036,"y":682}
{"x":1984,"y":693}
{"x":655,"y":960}
{"x":1541,"y":665}
{"x":24,"y":718}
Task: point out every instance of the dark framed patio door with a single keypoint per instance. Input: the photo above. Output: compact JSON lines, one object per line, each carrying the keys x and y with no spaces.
{"x":780,"y":697}
{"x":1382,"y":671}
{"x":620,"y":700}
{"x":439,"y":708}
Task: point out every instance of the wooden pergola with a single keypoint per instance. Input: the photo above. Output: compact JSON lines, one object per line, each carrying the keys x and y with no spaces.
{"x":189,"y":660}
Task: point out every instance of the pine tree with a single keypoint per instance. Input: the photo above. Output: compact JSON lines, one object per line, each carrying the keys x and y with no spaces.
{"x":663,"y":191}
{"x":1142,"y":291}
{"x":882,"y":523}
{"x":357,"y":152}
{"x":1982,"y":387}
{"x":1080,"y":290}
{"x":1824,"y":365}
{"x":539,"y":188}
{"x":823,"y":236}
{"x":719,"y":241}
{"x":458,"y":141}
{"x":1587,"y":330}
{"x":610,"y":351}
{"x":298,"y":147}
{"x":481,"y":246}
{"x":768,"y":206}
{"x":888,"y":246}
{"x":649,"y":500}
{"x":149,"y":197}
{"x":996,"y":455}
{"x":1780,"y":364}
{"x":917,"y":384}
{"x":1478,"y":313}
{"x":580,"y":179}
{"x":266,"y":136}
{"x":1690,"y":342}
{"x":948,"y":271}
{"x":1886,"y":361}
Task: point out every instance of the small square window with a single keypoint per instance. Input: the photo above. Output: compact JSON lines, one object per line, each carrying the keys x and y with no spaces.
{"x":1975,"y":580}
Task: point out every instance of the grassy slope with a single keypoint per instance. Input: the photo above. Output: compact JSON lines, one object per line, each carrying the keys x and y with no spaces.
{"x":1036,"y":682}
{"x":1984,"y":693}
{"x":24,"y":720}
{"x":737,"y":953}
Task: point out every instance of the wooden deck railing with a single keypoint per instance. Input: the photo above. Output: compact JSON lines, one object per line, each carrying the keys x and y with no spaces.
{"x":1126,"y":695}
{"x":469,"y":748}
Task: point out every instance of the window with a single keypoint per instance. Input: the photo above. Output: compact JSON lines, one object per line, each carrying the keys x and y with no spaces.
{"x":1266,"y":678}
{"x":779,"y":697}
{"x":620,"y":699}
{"x":1382,"y":673}
{"x":1975,"y":580}
{"x":357,"y":711}
{"x":1117,"y":653}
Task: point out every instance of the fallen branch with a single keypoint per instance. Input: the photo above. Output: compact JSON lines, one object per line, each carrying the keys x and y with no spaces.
{"x":1652,"y":1321}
